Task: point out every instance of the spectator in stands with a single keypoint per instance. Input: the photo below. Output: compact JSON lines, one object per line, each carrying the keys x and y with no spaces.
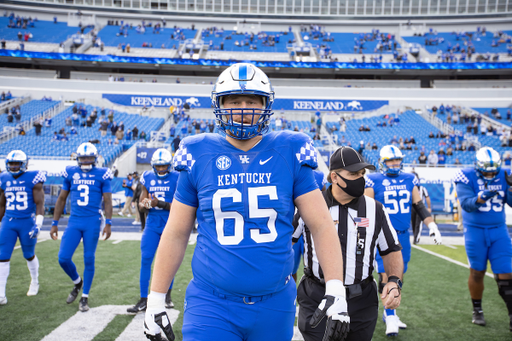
{"x":73,"y":131}
{"x":135,"y":132}
{"x":111,"y":115}
{"x":471,"y":148}
{"x":119,"y":134}
{"x":128,"y":192}
{"x":21,"y":131}
{"x":317,"y":137}
{"x":457,"y":162}
{"x":64,"y":137}
{"x":394,"y":140}
{"x":113,"y":128}
{"x":374,"y":146}
{"x":142,"y":135}
{"x":121,"y":126}
{"x":103,"y":127}
{"x":361,"y":128}
{"x":178,"y":80}
{"x":441,"y":159}
{"x":55,"y":137}
{"x":38,"y":124}
{"x":75,"y":121}
{"x":17,"y":115}
{"x":432,"y":158}
{"x":422,"y":159}
{"x":129,"y":135}
{"x":176,"y":143}
{"x":507,"y":159}
{"x":10,"y":117}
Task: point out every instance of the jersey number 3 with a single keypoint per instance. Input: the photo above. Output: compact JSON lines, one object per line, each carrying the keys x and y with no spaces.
{"x":254,"y":212}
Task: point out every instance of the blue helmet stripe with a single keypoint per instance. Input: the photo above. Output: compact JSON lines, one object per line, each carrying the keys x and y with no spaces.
{"x":490,"y":157}
{"x":242,"y":74}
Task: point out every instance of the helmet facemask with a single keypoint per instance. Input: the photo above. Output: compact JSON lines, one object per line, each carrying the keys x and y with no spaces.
{"x":86,"y":163}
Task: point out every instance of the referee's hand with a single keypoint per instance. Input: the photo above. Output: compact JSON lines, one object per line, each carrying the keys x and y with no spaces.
{"x":391,"y":295}
{"x":334,"y":305}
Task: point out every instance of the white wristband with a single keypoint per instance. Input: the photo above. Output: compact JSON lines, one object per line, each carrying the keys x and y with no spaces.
{"x":156,"y":300}
{"x":39,"y":220}
{"x":335,"y":287}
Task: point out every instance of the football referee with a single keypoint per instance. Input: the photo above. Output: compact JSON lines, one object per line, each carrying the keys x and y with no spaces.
{"x":362,"y":225}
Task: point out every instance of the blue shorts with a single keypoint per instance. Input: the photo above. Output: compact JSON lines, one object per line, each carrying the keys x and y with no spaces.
{"x":12,"y":229}
{"x":405,"y":241}
{"x":298,"y":251}
{"x":210,"y":317}
{"x":489,"y":244}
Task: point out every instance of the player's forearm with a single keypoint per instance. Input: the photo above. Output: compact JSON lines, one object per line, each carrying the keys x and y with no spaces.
{"x":314,"y":212}
{"x":59,"y":208}
{"x":173,"y":245}
{"x":108,"y":205}
{"x":394,"y":264}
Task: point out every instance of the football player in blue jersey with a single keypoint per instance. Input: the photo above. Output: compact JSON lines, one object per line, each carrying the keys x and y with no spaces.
{"x":89,"y":186}
{"x":483,"y":191}
{"x":243,"y":185}
{"x":398,"y":192}
{"x":21,"y":198}
{"x":158,"y":187}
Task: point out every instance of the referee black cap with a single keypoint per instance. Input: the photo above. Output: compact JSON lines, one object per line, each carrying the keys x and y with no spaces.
{"x":347,"y":158}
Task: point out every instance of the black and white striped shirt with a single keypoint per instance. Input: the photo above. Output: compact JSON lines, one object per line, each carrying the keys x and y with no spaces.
{"x":358,"y":244}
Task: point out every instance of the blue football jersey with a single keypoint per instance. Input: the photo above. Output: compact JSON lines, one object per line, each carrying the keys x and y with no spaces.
{"x":19,"y":193}
{"x":162,"y":188}
{"x":245,"y":207}
{"x":86,"y":189}
{"x":320,"y":179}
{"x":492,"y":213}
{"x":395,"y":193}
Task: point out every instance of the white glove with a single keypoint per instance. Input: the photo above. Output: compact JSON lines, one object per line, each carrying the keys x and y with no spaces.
{"x":156,"y":318}
{"x":34,"y":232}
{"x":434,"y":233}
{"x":334,"y":305}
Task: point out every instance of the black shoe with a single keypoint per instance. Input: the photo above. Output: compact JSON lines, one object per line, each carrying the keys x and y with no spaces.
{"x":478,"y":317}
{"x":140,"y":306}
{"x":83,"y":305}
{"x":74,"y":293}
{"x":168,"y":300}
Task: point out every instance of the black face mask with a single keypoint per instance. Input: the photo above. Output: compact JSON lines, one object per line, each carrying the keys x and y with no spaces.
{"x":355,"y":188}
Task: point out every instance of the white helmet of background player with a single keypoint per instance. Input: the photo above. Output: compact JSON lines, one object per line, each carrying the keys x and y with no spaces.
{"x":161,"y":157}
{"x":488,"y":163}
{"x":243,"y":79}
{"x":388,"y":153}
{"x":86,"y":156}
{"x":16,"y":162}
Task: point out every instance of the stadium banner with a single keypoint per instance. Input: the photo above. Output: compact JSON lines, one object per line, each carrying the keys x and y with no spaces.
{"x":273,"y":64}
{"x":144,"y":154}
{"x":280,"y":103}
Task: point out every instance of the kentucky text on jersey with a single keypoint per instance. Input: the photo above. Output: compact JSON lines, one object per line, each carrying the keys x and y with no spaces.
{"x":83,"y":182}
{"x":233,"y":179}
{"x":159,"y":189}
{"x":15,"y":189}
{"x":396,"y":187}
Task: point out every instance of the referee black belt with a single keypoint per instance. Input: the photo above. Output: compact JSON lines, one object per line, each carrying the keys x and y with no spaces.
{"x":353,"y":290}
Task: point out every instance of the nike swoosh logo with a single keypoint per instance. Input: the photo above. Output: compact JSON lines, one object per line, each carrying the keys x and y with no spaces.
{"x":267,"y":160}
{"x":166,"y":182}
{"x":21,"y":182}
{"x":401,"y":180}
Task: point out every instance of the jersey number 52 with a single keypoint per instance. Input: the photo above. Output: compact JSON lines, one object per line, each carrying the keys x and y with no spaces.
{"x":399,"y":202}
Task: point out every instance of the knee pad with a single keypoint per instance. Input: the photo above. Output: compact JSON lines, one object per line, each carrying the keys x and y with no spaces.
{"x":505,"y":289}
{"x":381,"y":284}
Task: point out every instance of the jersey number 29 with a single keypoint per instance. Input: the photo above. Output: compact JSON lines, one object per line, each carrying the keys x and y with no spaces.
{"x":20,"y":197}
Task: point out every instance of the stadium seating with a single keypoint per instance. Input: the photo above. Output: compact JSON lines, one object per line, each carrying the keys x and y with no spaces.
{"x":109,"y":37}
{"x":214,"y":41}
{"x":43,"y":32}
{"x":44,"y":145}
{"x":502,"y":111}
{"x":411,"y":124}
{"x":28,"y":111}
{"x":344,"y":42}
{"x":482,"y":43}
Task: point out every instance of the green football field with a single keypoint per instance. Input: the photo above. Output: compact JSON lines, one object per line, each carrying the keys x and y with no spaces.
{"x":435,"y":304}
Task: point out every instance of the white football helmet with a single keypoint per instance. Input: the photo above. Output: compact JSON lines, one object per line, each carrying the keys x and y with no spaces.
{"x":16,"y":162}
{"x":161,"y":157}
{"x":488,"y":163}
{"x":388,"y":153}
{"x":86,"y":156}
{"x":243,"y":79}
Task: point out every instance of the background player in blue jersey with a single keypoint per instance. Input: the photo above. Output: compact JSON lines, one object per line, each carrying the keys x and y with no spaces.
{"x":243,"y":187}
{"x":483,"y":192}
{"x":88,"y":186}
{"x":398,"y":192}
{"x":21,"y":198}
{"x":158,"y":187}
{"x":298,"y":247}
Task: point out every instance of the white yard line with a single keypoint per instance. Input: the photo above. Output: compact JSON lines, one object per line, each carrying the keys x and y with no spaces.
{"x":117,"y":241}
{"x":447,"y":259}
